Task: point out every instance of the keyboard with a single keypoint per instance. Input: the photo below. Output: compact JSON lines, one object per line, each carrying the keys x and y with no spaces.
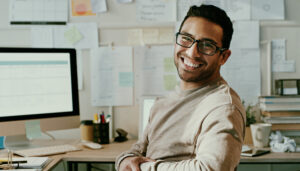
{"x":45,"y":151}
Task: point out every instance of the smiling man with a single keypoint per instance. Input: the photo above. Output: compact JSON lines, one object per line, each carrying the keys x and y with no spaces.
{"x":201,"y":125}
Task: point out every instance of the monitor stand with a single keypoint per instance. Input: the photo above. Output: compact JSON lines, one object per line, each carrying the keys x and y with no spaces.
{"x":18,"y":142}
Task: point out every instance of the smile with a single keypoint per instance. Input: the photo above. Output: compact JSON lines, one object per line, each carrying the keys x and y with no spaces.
{"x":190,"y":64}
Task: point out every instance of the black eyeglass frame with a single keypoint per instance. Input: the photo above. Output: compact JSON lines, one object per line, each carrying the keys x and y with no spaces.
{"x":194,"y":40}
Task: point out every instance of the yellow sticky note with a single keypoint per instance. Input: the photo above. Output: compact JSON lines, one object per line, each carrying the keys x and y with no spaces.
{"x":169,"y":65}
{"x":33,"y":129}
{"x":73,"y":35}
{"x":169,"y":82}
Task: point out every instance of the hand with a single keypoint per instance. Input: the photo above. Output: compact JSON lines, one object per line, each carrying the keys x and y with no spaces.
{"x":133,"y":163}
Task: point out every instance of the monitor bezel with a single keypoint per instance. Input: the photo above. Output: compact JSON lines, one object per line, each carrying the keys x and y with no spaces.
{"x":74,"y":83}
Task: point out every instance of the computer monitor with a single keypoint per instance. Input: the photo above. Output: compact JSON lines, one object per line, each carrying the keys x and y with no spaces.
{"x":38,"y":83}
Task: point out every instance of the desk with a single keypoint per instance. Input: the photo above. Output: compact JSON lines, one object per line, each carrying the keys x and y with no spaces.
{"x":107,"y":154}
{"x":271,"y":161}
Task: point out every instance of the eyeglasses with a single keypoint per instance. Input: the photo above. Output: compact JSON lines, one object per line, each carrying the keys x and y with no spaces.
{"x":203,"y":46}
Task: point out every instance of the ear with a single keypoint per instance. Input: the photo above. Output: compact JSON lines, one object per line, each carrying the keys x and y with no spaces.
{"x":224,"y":56}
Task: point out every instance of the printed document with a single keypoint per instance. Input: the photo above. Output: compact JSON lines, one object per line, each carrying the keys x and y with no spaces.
{"x":112,"y":76}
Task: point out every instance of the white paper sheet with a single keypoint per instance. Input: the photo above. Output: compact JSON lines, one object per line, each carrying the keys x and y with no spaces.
{"x":98,"y":6}
{"x":38,"y":11}
{"x":112,"y":76}
{"x":284,"y":66}
{"x":124,"y":1}
{"x":237,"y":9}
{"x":156,"y":72}
{"x":183,"y":7}
{"x":242,"y":72}
{"x":80,"y":35}
{"x":156,"y":10}
{"x":246,"y":34}
{"x":278,"y":50}
{"x":267,"y":9}
{"x":158,"y":36}
{"x":279,"y":62}
{"x":42,"y":37}
{"x":135,"y":37}
{"x":79,"y":69}
{"x":213,"y":2}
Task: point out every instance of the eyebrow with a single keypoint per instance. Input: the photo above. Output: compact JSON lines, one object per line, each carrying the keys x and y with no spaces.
{"x":204,"y":39}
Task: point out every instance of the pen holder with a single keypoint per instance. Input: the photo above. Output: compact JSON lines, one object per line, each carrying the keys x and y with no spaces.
{"x":101,"y":133}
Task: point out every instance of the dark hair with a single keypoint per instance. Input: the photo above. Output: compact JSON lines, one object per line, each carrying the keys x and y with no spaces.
{"x":215,"y":15}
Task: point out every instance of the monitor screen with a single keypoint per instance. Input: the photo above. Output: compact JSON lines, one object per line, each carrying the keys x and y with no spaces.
{"x":37,"y":83}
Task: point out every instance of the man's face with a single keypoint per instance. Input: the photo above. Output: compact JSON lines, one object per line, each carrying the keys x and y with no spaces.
{"x":193,"y":66}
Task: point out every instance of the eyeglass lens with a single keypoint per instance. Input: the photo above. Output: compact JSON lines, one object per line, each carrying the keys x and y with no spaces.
{"x":203,"y":46}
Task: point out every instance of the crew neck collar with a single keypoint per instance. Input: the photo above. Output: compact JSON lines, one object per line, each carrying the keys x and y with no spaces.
{"x":203,"y":87}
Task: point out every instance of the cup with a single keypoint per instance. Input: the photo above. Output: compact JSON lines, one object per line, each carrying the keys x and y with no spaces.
{"x":101,"y":133}
{"x":86,"y":130}
{"x":260,"y":134}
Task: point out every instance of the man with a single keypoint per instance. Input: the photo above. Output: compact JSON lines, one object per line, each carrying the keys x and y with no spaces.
{"x":201,"y":125}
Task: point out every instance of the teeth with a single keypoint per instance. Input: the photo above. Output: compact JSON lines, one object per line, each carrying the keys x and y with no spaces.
{"x":188,"y":63}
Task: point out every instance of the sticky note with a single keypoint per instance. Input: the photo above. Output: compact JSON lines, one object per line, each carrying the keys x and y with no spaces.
{"x":169,"y":65}
{"x":33,"y":129}
{"x":73,"y":35}
{"x":2,"y":142}
{"x":126,"y":79}
{"x":169,"y":82}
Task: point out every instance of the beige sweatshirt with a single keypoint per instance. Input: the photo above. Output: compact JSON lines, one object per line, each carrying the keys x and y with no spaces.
{"x":199,"y":129}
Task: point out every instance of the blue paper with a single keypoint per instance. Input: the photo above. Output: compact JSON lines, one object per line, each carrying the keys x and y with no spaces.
{"x":126,"y":79}
{"x":2,"y":142}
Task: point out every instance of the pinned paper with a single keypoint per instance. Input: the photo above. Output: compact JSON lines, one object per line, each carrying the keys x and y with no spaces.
{"x":135,"y":37}
{"x":82,"y":8}
{"x":169,"y":82}
{"x":166,"y":36}
{"x":279,"y":62}
{"x":124,"y":1}
{"x":126,"y":79}
{"x":73,"y":35}
{"x":158,"y":36}
{"x":99,"y":6}
{"x":2,"y":142}
{"x":156,"y":11}
{"x":150,"y":36}
{"x":33,"y":129}
{"x":169,"y":65}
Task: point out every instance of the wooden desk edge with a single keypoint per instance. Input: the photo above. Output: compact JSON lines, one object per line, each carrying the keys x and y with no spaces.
{"x":111,"y":151}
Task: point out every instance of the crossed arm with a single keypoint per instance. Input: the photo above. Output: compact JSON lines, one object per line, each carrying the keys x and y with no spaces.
{"x":217,"y":146}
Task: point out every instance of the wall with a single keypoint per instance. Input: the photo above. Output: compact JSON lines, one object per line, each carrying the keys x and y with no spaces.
{"x":113,"y":27}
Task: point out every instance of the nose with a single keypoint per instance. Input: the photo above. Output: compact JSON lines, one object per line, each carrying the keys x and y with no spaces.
{"x":193,"y":51}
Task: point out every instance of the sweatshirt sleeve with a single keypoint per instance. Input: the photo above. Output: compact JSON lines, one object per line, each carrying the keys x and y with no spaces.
{"x":137,"y":149}
{"x":218,"y":146}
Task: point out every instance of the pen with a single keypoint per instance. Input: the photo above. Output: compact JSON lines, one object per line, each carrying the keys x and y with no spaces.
{"x":5,"y":161}
{"x":96,"y":119}
{"x":102,"y":117}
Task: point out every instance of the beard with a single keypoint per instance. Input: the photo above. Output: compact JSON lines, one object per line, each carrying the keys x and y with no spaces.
{"x":202,"y":74}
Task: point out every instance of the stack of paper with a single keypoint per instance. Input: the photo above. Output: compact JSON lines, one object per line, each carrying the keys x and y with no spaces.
{"x":34,"y":162}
